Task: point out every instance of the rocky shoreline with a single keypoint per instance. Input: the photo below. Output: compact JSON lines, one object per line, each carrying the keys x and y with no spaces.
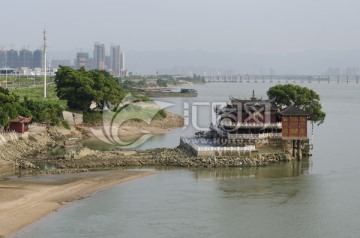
{"x":48,"y":146}
{"x":30,"y":156}
{"x":85,"y":159}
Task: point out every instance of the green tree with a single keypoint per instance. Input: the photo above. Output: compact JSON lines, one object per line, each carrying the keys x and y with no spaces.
{"x":161,"y":83}
{"x":302,"y":97}
{"x":10,"y":107}
{"x":80,"y":88}
{"x":44,"y":112}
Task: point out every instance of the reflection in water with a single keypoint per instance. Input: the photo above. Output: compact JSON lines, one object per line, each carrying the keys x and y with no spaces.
{"x":278,"y":183}
{"x":283,"y":170}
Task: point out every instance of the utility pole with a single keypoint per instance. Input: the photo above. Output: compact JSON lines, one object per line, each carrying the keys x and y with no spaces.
{"x":5,"y":69}
{"x":45,"y":49}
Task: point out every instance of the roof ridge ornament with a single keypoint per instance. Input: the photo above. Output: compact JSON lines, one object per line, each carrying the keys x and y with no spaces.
{"x":253,"y":98}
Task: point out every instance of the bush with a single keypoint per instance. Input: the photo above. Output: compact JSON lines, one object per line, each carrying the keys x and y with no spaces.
{"x":93,"y":117}
{"x":10,"y":107}
{"x":65,"y":124}
{"x":44,"y":112}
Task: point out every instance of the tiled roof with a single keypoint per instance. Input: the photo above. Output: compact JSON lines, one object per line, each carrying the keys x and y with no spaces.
{"x":21,"y":119}
{"x":294,"y":111}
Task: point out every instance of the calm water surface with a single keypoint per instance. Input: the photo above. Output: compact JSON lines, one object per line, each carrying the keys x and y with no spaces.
{"x":319,"y":197}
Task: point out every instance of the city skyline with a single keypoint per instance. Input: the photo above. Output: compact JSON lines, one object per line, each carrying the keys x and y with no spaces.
{"x":84,"y":58}
{"x":114,"y":62}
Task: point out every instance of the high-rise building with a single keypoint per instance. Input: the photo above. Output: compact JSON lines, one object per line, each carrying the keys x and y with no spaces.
{"x":25,"y":58}
{"x":123,"y":71}
{"x":38,"y":59}
{"x":12,"y":58}
{"x":107,"y":62}
{"x":115,"y":60}
{"x":2,"y":58}
{"x":82,"y":60}
{"x":99,"y":56}
{"x":122,"y":61}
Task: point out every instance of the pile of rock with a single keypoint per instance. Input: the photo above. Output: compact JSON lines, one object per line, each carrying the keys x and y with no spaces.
{"x":177,"y":157}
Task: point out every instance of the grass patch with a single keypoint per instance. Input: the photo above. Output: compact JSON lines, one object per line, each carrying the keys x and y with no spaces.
{"x":129,"y":113}
{"x":93,"y":117}
{"x":36,"y":93}
{"x":65,"y":124}
{"x":138,"y":113}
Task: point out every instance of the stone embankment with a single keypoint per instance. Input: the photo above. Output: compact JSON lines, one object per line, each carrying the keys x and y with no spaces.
{"x":46,"y":146}
{"x":48,"y":142}
{"x":178,"y":157}
{"x":19,"y":153}
{"x":16,"y":154}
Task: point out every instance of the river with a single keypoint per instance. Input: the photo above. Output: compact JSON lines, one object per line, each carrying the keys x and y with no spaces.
{"x":319,"y":197}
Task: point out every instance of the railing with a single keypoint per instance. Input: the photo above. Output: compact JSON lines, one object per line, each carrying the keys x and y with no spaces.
{"x":196,"y":148}
{"x":255,"y":136}
{"x":253,"y":125}
{"x":225,"y":148}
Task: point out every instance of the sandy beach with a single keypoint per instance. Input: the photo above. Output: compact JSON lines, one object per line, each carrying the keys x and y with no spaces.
{"x":26,"y":199}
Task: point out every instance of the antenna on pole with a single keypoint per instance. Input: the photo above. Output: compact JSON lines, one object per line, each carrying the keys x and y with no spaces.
{"x":45,"y":50}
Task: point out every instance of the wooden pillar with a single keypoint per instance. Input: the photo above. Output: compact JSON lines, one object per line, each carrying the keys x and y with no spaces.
{"x":299,"y":153}
{"x":293,"y":148}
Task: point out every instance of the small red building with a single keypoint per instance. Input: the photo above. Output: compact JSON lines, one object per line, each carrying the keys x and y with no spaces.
{"x":294,"y":123}
{"x":20,"y":124}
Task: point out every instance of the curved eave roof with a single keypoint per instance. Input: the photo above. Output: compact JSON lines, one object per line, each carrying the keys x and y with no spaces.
{"x":21,"y":119}
{"x":294,"y":111}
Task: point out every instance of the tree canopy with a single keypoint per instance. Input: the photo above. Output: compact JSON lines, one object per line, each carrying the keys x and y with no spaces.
{"x":302,"y":97}
{"x":80,"y":88}
{"x":161,"y":83}
{"x":44,"y":112}
{"x":10,"y":107}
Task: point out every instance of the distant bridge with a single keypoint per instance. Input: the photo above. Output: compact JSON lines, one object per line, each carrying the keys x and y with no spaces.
{"x":282,"y":79}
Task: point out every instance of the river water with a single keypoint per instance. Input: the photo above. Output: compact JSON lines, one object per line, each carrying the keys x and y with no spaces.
{"x":319,"y":197}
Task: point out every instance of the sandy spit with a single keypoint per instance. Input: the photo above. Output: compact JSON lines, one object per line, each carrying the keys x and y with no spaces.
{"x":27,"y":199}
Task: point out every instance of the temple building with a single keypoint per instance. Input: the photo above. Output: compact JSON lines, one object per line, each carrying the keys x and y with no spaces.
{"x":20,"y":125}
{"x":255,"y":125}
{"x":252,"y":118}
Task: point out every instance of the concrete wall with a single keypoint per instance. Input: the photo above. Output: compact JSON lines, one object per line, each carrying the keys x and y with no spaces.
{"x":215,"y":150}
{"x":73,"y":118}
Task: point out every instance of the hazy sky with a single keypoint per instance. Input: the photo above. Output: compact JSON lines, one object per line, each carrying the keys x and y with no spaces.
{"x":254,"y":26}
{"x":242,"y":27}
